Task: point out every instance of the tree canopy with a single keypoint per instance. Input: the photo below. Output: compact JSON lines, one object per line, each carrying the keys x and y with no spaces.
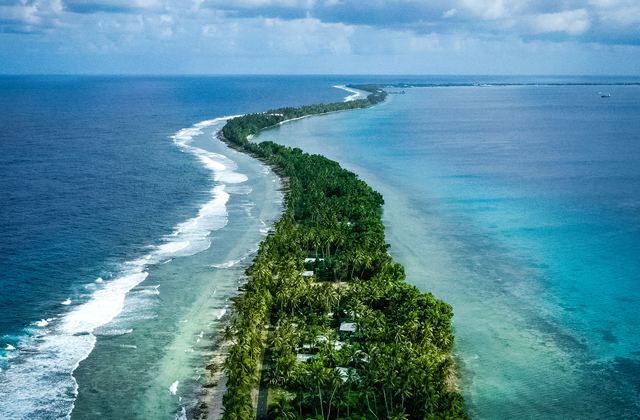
{"x":353,"y":340}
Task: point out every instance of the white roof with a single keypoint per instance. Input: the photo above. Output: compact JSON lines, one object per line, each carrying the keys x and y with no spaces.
{"x":304,"y":357}
{"x":307,"y":273}
{"x":344,"y":373}
{"x":348,"y":326}
{"x":313,"y":259}
{"x":362,"y":355}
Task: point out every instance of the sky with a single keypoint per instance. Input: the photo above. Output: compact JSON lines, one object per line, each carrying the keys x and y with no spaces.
{"x":445,"y":37}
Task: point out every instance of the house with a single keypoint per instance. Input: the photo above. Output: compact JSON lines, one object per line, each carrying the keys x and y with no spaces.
{"x":348,"y":327}
{"x":343,"y":372}
{"x":304,"y":357}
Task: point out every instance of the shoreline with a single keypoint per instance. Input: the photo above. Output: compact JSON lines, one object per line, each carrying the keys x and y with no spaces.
{"x":214,"y":387}
{"x":357,"y":93}
{"x":210,"y":406}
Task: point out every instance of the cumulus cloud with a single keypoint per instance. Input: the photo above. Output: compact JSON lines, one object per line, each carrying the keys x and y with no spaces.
{"x":304,"y":4}
{"x":527,"y":18}
{"x":571,"y":21}
{"x":355,"y":29}
{"x":617,"y":12}
{"x":449,"y":13}
{"x":26,"y":14}
{"x":379,"y":13}
{"x":308,"y":36}
{"x":495,"y":9}
{"x":600,"y":21}
{"x":29,"y":15}
{"x":276,"y":37}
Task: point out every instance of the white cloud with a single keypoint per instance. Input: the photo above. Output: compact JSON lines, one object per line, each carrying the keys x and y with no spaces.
{"x":56,"y":6}
{"x":303,"y":4}
{"x":450,"y":13}
{"x":404,"y":35}
{"x":495,"y":9}
{"x":123,"y":6}
{"x":307,"y":36}
{"x":423,"y":43}
{"x":367,"y":41}
{"x":142,"y":4}
{"x":572,"y":22}
{"x":27,"y":14}
{"x":31,"y":16}
{"x":618,"y":12}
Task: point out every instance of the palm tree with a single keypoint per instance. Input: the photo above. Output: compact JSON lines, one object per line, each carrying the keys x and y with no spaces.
{"x":282,"y":410}
{"x":365,"y":262}
{"x":336,"y":382}
{"x":228,"y":333}
{"x":318,"y":375}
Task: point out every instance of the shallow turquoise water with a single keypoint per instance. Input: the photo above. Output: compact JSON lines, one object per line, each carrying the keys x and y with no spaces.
{"x":518,"y":206}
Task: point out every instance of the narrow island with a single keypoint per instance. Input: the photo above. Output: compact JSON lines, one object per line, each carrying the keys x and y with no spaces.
{"x":326,"y":320}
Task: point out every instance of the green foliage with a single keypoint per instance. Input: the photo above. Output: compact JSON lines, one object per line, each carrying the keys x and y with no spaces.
{"x":238,"y":129}
{"x":396,"y":364}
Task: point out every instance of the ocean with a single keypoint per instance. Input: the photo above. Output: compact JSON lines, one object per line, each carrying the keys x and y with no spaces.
{"x":125,"y":227}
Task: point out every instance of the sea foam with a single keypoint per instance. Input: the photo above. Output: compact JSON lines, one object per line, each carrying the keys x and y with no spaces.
{"x":174,"y":387}
{"x":181,"y":415}
{"x":357,"y":94}
{"x":219,"y":313}
{"x":227,"y":264}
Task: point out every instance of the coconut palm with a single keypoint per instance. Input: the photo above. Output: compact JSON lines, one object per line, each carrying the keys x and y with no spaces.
{"x":282,"y":410}
{"x":318,"y":376}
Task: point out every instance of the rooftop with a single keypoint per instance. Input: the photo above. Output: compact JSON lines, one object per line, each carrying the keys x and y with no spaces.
{"x":348,"y":326}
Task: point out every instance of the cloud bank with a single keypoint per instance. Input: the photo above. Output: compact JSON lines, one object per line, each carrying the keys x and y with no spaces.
{"x":320,"y":36}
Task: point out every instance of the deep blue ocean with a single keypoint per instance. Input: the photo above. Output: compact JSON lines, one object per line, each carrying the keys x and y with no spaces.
{"x":124,"y":227}
{"x":102,"y":185}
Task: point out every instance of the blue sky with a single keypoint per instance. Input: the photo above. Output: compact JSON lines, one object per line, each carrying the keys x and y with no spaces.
{"x":578,"y":37}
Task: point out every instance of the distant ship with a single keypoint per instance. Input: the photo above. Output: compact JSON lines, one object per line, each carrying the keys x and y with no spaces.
{"x":604,"y":94}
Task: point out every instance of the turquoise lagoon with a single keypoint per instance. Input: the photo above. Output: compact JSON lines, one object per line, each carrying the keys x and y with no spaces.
{"x":520,"y":207}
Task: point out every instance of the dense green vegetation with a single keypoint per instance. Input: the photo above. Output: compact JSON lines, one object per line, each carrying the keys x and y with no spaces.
{"x":239,"y":129}
{"x":377,"y":86}
{"x":393,"y":360}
